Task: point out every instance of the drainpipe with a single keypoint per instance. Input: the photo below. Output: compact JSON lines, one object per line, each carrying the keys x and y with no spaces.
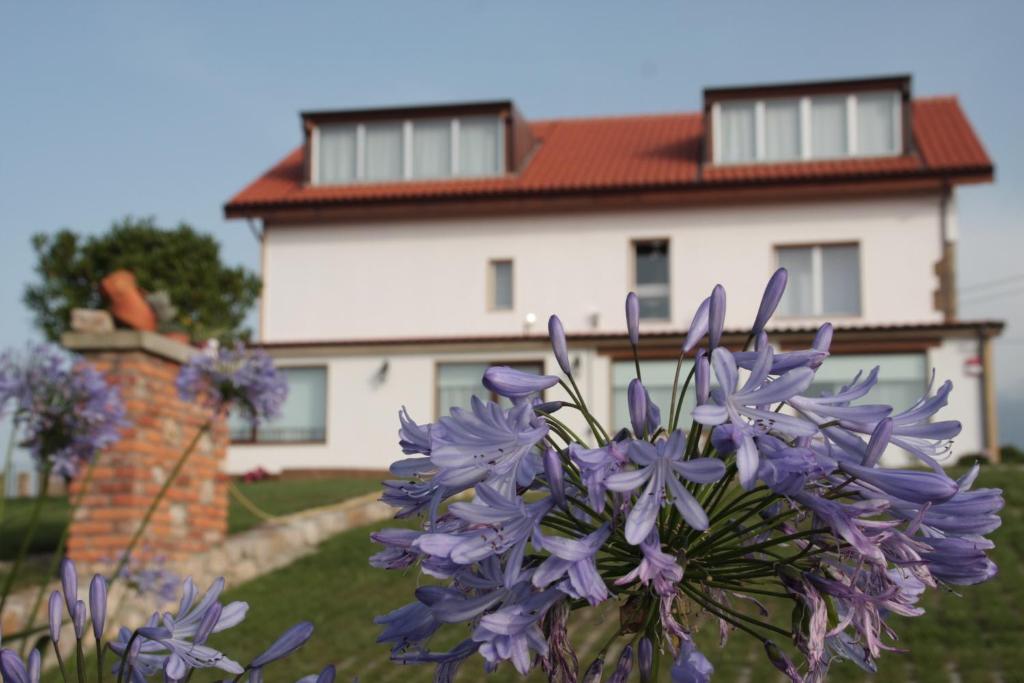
{"x":989,"y":419}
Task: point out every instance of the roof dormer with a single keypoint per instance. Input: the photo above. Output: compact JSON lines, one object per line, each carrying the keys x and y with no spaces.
{"x":472,"y":140}
{"x":808,"y":121}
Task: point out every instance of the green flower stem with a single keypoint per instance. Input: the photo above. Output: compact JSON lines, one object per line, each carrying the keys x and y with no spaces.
{"x":60,"y":662}
{"x":175,"y":471}
{"x":30,"y":532}
{"x":737,"y":588}
{"x":745,"y":617}
{"x":596,"y":428}
{"x":79,"y":660}
{"x":700,"y":601}
{"x":682,"y":395}
{"x":675,"y":390}
{"x":58,"y":554}
{"x":743,"y":550}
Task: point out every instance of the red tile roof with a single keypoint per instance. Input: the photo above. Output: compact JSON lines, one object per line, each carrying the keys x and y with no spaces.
{"x":620,"y":154}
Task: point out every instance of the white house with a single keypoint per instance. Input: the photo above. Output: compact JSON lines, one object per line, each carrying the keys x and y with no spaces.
{"x":404,"y":250}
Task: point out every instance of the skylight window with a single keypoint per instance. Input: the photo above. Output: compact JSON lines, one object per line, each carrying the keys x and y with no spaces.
{"x":416,"y":149}
{"x":828,"y":126}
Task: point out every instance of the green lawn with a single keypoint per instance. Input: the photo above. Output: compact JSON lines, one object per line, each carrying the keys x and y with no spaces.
{"x":974,"y":635}
{"x":284,"y":496}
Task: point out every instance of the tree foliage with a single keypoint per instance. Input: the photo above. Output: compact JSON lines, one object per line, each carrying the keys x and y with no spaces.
{"x":212,"y":299}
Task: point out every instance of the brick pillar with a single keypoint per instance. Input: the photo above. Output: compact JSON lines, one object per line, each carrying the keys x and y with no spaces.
{"x":193,"y":515}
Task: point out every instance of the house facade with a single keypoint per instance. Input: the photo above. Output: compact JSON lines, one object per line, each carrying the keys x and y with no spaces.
{"x":404,"y":250}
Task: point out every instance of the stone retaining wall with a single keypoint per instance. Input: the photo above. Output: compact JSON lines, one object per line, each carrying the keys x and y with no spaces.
{"x":239,"y":558}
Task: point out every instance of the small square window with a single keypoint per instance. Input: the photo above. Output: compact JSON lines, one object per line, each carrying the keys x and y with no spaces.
{"x":501,"y":298}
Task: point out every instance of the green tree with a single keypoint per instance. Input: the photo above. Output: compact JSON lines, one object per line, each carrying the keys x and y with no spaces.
{"x":212,"y":299}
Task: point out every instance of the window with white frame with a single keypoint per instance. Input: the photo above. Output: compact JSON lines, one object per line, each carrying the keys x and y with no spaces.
{"x":303,"y":416}
{"x":807,"y":128}
{"x":651,"y":278}
{"x":823,"y":280}
{"x":419,"y":149}
{"x":458,"y":383}
{"x":500,"y":285}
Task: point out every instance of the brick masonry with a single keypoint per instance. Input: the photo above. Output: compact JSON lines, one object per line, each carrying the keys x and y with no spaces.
{"x":192,"y":517}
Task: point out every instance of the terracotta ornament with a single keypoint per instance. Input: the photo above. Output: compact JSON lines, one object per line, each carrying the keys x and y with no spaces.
{"x":127,"y":301}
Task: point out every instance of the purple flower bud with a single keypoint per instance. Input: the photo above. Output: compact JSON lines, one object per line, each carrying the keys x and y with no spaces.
{"x":35,"y":665}
{"x":594,"y":671}
{"x":645,"y":659}
{"x":256,"y":676}
{"x":637,"y":398}
{"x":781,"y":662}
{"x":515,"y":384}
{"x":56,"y":616}
{"x":69,"y":582}
{"x":877,"y":443}
{"x":691,"y":666}
{"x":78,"y":617}
{"x":555,"y":475}
{"x":327,"y":675}
{"x":698,"y":326}
{"x":633,"y":318}
{"x":290,"y":641}
{"x":558,"y":345}
{"x":716,"y":316}
{"x":98,"y":604}
{"x":12,"y":668}
{"x":208,"y":622}
{"x":823,"y":338}
{"x":624,"y":667}
{"x":702,"y":376}
{"x":770,"y":300}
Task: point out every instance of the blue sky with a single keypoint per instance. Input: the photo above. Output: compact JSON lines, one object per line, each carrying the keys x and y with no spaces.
{"x":109,"y":109}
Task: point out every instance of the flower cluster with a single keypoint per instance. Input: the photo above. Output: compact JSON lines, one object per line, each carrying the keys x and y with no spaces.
{"x":169,"y":647}
{"x":63,"y":407}
{"x":766,"y":491}
{"x":236,"y":378}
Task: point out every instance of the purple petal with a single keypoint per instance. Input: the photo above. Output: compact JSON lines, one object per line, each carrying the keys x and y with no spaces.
{"x":557,"y":334}
{"x":633,"y":318}
{"x":716,"y":316}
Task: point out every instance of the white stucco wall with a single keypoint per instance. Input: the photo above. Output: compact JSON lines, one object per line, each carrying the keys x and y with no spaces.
{"x":362,"y":412}
{"x":415,"y":279}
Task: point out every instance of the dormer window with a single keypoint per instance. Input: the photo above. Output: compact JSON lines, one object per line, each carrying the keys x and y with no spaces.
{"x":467,"y":141}
{"x":807,"y":122}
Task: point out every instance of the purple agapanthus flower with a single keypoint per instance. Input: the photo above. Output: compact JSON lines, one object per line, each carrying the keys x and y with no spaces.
{"x":63,"y":408}
{"x":510,"y":633}
{"x":656,"y":568}
{"x":487,"y":443}
{"x":690,"y":665}
{"x":662,"y":466}
{"x":183,"y":634}
{"x":649,"y":516}
{"x":235,"y":378}
{"x":751,"y":402}
{"x":574,"y":559}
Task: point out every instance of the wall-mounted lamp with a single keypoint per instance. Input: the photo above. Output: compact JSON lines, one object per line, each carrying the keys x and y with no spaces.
{"x":576,"y":365}
{"x":528,"y":322}
{"x":381,"y":375}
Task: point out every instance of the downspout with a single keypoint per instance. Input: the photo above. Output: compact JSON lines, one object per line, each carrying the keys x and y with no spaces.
{"x":258,"y":234}
{"x":988,"y":398}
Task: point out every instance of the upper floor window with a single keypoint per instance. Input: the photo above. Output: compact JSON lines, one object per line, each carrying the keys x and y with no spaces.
{"x":303,"y":417}
{"x":651,"y":278}
{"x":417,"y":149}
{"x":807,"y":128}
{"x":823,"y":280}
{"x":500,"y":285}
